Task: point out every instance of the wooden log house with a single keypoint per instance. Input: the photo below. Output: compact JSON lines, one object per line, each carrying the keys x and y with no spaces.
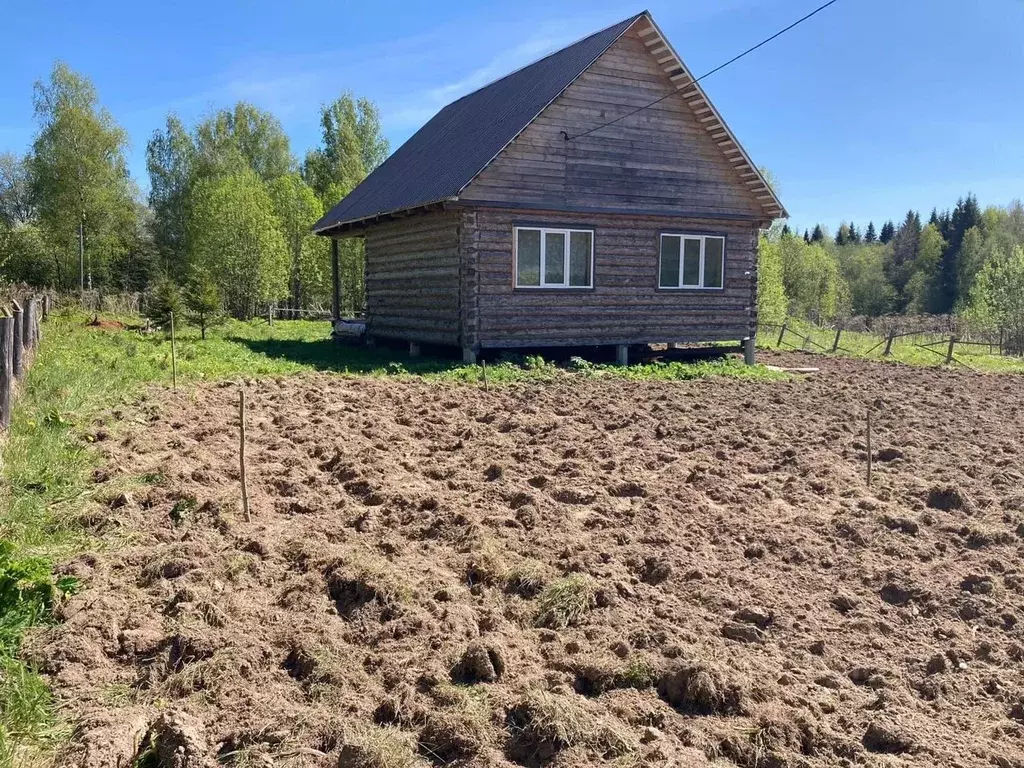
{"x":517,"y":217}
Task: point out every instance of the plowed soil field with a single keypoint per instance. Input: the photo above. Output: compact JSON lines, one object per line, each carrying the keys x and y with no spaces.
{"x":578,"y":573}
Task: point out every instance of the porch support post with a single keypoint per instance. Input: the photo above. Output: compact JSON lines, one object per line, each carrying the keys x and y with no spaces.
{"x":748,"y":350}
{"x":622,"y":354}
{"x":469,"y":356}
{"x":336,"y":278}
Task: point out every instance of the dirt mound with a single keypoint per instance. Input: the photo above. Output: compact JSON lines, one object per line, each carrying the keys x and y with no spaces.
{"x":580,"y":573}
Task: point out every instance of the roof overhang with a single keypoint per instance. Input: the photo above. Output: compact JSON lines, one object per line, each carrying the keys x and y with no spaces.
{"x":348,"y":227}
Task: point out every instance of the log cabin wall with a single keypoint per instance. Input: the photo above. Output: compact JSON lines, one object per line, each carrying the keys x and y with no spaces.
{"x":625,"y":306}
{"x":413,"y":278}
{"x":659,"y":160}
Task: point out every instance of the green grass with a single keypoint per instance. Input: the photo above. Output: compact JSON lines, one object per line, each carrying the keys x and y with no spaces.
{"x":904,"y":350}
{"x":82,"y":371}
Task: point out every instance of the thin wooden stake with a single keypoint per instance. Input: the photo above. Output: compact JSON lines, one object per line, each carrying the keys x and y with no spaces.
{"x":174,"y":361}
{"x":869,"y":447}
{"x":782,"y":334}
{"x":483,"y":369}
{"x":835,"y":343}
{"x":949,"y":353}
{"x":241,"y":455}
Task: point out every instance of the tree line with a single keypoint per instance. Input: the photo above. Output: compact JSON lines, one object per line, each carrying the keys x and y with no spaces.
{"x":964,"y":261}
{"x":228,"y":214}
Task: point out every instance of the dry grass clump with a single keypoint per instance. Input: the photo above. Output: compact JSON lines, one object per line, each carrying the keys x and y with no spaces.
{"x":565,"y":602}
{"x":449,"y":738}
{"x":527,"y":577}
{"x":378,"y":747}
{"x":543,"y":724}
{"x":487,"y":565}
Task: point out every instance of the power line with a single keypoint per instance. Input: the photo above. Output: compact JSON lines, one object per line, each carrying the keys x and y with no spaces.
{"x":719,"y":68}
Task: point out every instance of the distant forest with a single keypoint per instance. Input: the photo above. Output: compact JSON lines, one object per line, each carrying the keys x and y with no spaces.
{"x":964,"y":260}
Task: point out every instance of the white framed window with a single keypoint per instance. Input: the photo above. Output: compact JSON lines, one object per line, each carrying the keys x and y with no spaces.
{"x":548,"y":257}
{"x":692,"y":261}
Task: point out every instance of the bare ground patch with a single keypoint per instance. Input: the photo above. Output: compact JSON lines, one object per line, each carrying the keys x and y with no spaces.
{"x":588,"y":572}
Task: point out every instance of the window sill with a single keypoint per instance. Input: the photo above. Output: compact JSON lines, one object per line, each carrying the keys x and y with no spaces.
{"x":688,"y":288}
{"x":552,"y":289}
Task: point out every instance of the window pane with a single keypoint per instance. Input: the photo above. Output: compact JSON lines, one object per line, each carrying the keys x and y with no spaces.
{"x":554,"y":257}
{"x":579,"y":258}
{"x":691,"y":261}
{"x":669,"y":275}
{"x":714,"y":250}
{"x":528,"y":257}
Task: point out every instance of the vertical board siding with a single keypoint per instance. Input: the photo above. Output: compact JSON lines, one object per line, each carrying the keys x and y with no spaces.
{"x":625,"y":306}
{"x":659,"y":160}
{"x":413,"y":278}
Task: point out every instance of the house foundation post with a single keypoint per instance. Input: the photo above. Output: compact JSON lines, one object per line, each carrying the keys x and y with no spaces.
{"x":414,"y":349}
{"x":469,"y":356}
{"x":336,"y":282}
{"x":748,"y":350}
{"x":622,"y":354}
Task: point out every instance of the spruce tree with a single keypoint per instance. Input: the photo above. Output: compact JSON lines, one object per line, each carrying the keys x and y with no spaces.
{"x":164,"y":300}
{"x":818,"y":235}
{"x":843,"y":234}
{"x":786,"y":231}
{"x":888,"y":233}
{"x":854,"y":234}
{"x":807,"y":237}
{"x":869,"y":233}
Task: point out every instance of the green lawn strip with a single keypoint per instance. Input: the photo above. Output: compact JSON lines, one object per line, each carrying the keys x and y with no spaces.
{"x":904,"y":349}
{"x":83,"y":370}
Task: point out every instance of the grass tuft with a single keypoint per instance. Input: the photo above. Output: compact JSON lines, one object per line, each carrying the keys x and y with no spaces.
{"x":565,"y":602}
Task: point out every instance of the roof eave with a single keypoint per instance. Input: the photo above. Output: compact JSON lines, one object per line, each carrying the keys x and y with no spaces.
{"x":347,"y":225}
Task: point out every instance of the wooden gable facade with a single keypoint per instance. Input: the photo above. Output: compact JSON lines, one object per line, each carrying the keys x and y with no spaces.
{"x":667,"y":178}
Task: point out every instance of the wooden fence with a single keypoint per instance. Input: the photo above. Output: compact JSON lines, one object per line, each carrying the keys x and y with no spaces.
{"x":928,"y":339}
{"x":20,"y":334}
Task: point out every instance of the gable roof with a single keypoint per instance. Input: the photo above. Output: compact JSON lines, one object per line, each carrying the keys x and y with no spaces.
{"x":438,"y":161}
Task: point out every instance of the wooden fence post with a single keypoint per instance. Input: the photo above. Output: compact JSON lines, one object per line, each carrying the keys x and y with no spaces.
{"x":17,"y":360}
{"x":782,"y":333}
{"x":835,"y":342}
{"x":949,"y":353}
{"x":28,"y":336}
{"x":6,"y":368}
{"x":888,"y":344}
{"x":46,"y":305}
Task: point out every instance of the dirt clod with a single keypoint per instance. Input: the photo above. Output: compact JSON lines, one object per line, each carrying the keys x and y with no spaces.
{"x":887,"y":738}
{"x":479,"y":664}
{"x":700,"y":689}
{"x":946,"y":498}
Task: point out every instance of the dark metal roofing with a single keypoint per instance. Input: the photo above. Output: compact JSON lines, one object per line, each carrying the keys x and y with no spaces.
{"x":456,"y":144}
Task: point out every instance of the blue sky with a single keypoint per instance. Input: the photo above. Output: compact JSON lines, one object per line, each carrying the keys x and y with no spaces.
{"x":870,"y":108}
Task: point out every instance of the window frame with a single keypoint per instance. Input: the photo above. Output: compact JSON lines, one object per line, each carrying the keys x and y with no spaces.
{"x":544,"y":230}
{"x":703,"y":237}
